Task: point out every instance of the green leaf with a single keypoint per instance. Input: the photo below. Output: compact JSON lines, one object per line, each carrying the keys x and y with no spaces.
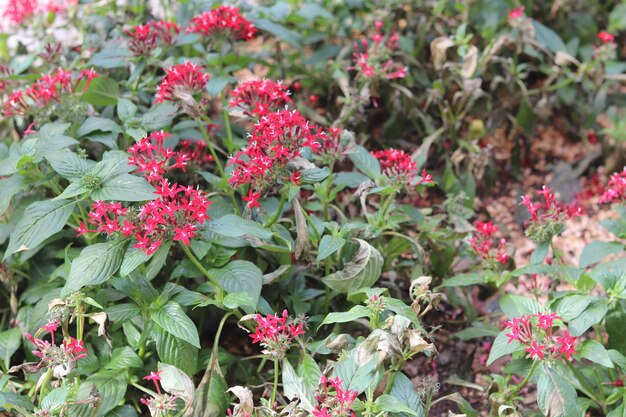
{"x":102,"y":91}
{"x":477,"y":330}
{"x":94,"y":124}
{"x":113,"y":55}
{"x":54,"y":399}
{"x":556,"y":397}
{"x":8,"y":188}
{"x":176,"y":382}
{"x":239,"y":299}
{"x":126,"y":109}
{"x":592,"y":315}
{"x":405,"y":392}
{"x":41,"y":220}
{"x":391,"y":404}
{"x":313,"y":175}
{"x":295,"y":388}
{"x":540,"y":253}
{"x":617,"y":18}
{"x":174,"y":321}
{"x":10,"y":341}
{"x":240,"y":276}
{"x":158,"y":117}
{"x":362,"y":271}
{"x":616,"y":330}
{"x":95,"y":265}
{"x":517,"y":306}
{"x":328,"y":246}
{"x":281,"y":32}
{"x":125,"y":187}
{"x":69,"y":165}
{"x":111,"y":386}
{"x":175,"y":351}
{"x":595,"y":352}
{"x":232,"y":225}
{"x":571,"y":306}
{"x":217,"y":84}
{"x":354,"y":313}
{"x":309,"y":371}
{"x":463,"y":280}
{"x":365,"y":162}
{"x":123,"y":358}
{"x":133,"y":258}
{"x":597,"y":250}
{"x":501,"y":347}
{"x":548,"y":38}
{"x":356,"y":377}
{"x":210,"y":400}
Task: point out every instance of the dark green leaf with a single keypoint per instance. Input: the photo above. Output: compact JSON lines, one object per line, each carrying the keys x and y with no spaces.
{"x":174,"y":321}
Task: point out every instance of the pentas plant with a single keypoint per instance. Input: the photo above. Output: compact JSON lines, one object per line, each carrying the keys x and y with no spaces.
{"x":161,"y":404}
{"x":257,"y":98}
{"x":58,"y":359}
{"x":615,"y":189}
{"x":180,"y":84}
{"x":20,"y":11}
{"x":275,"y":333}
{"x":275,"y":140}
{"x":400,"y":169}
{"x":547,"y":216}
{"x":606,"y":49}
{"x":142,"y":39}
{"x":223,"y":22}
{"x":47,"y":90}
{"x":536,"y":333}
{"x":154,"y":160}
{"x":334,"y":401}
{"x":374,"y":58}
{"x":487,"y":246}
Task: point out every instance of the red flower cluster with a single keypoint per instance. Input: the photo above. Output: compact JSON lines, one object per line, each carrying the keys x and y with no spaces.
{"x":484,"y":245}
{"x":152,"y":158}
{"x":196,"y":150}
{"x":144,"y":38}
{"x":547,"y":218}
{"x":377,"y":61}
{"x":46,"y":90}
{"x":401,"y":170}
{"x":516,"y":13}
{"x":535,"y":331}
{"x":161,"y":404}
{"x":334,"y":401}
{"x":61,"y":358}
{"x":181,"y":80}
{"x":276,"y":139}
{"x":16,"y":11}
{"x":275,"y":333}
{"x":606,"y":37}
{"x":223,"y":21}
{"x":616,"y":188}
{"x":175,"y":215}
{"x":259,"y":97}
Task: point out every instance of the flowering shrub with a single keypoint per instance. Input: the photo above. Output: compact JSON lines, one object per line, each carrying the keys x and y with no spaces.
{"x":273,"y":209}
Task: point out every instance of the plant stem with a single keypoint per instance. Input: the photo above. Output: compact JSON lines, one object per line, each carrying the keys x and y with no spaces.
{"x":390,"y":379}
{"x":205,"y":135}
{"x":216,"y":342}
{"x":229,"y":132}
{"x":387,"y":204}
{"x":586,"y":388}
{"x":281,"y":204}
{"x":275,"y":383}
{"x":45,"y":381}
{"x":557,"y":255}
{"x":525,"y":380}
{"x":219,"y":292}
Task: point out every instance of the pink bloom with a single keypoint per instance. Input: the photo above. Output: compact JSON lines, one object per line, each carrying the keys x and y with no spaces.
{"x":155,"y":377}
{"x":516,"y":13}
{"x":259,"y":97}
{"x":186,"y":78}
{"x":223,"y":21}
{"x":606,"y":37}
{"x":535,"y":350}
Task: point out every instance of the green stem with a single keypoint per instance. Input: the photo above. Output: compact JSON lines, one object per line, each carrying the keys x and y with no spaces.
{"x":216,"y":342}
{"x":387,"y":204}
{"x":143,"y":339}
{"x":390,"y":379}
{"x":205,"y":135}
{"x":586,"y":388}
{"x":229,"y":132}
{"x":281,"y":204}
{"x":275,"y":383}
{"x":557,"y":255}
{"x":308,"y":219}
{"x":45,"y":381}
{"x":219,"y":292}
{"x":521,"y":385}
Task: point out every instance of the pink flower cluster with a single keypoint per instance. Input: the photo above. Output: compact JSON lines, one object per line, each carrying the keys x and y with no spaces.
{"x":606,"y":37}
{"x":161,"y":404}
{"x":259,"y":97}
{"x":180,"y":81}
{"x":547,"y":217}
{"x":401,"y":170}
{"x":535,"y":331}
{"x":484,"y":244}
{"x":197,"y":151}
{"x":144,"y":38}
{"x":616,"y":188}
{"x":275,"y":140}
{"x":152,"y":158}
{"x":275,"y":333}
{"x":51,"y":355}
{"x":18,"y":11}
{"x":175,"y":215}
{"x":606,"y":49}
{"x":46,"y":90}
{"x":223,"y":21}
{"x":333,"y":400}
{"x":376,"y":61}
